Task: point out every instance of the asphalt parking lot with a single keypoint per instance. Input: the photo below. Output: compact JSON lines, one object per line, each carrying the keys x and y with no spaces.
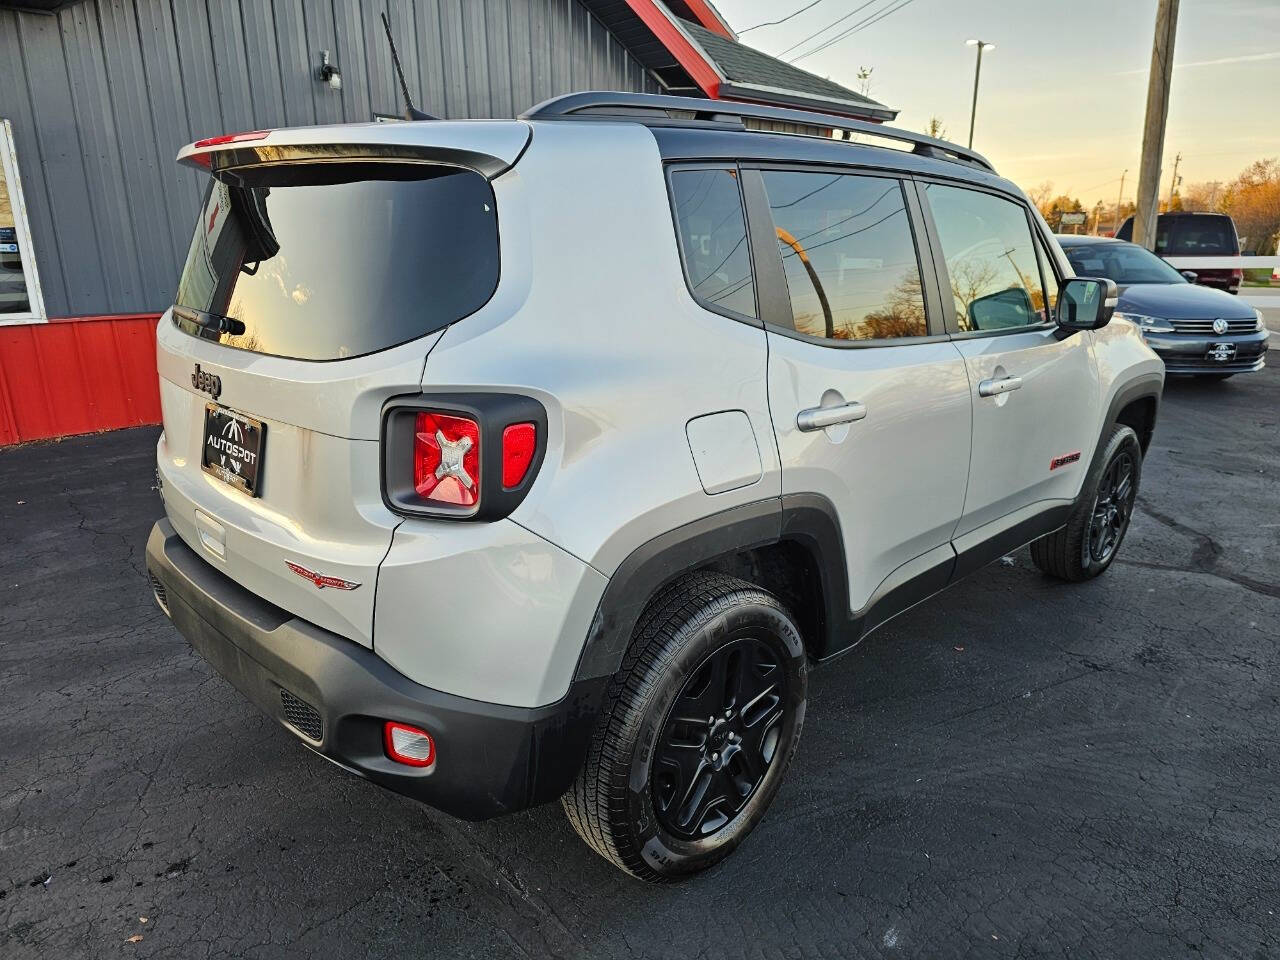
{"x":1017,"y":767}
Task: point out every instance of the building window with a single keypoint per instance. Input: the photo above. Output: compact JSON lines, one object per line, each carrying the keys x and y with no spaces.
{"x":20,"y":300}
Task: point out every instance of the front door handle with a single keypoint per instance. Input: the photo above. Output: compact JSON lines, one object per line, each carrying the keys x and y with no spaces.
{"x":819,"y":418}
{"x":993,"y":388}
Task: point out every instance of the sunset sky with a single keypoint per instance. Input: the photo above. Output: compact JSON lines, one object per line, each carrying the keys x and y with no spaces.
{"x":1063,"y":94}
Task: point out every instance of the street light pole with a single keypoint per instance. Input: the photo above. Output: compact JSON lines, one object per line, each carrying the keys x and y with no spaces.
{"x":973,"y":114}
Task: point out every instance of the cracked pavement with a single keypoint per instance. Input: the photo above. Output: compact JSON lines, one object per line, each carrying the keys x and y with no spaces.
{"x":1017,"y":767}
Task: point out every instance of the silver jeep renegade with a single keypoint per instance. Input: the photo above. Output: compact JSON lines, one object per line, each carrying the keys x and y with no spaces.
{"x":508,"y":461}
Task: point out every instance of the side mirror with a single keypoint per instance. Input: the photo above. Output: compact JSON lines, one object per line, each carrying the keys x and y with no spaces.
{"x":1190,"y":275}
{"x":1086,"y":303}
{"x":1004,"y":308}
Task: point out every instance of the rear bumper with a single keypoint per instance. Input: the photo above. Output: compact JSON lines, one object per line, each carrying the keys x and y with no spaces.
{"x":334,"y":696}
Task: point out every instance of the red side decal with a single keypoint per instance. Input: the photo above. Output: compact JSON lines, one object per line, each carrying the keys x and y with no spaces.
{"x":1064,"y":460}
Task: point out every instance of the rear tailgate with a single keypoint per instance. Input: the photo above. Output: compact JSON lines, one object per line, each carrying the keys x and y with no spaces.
{"x":324,"y":266}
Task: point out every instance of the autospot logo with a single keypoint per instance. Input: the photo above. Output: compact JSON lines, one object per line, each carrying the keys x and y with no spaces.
{"x":229,"y":445}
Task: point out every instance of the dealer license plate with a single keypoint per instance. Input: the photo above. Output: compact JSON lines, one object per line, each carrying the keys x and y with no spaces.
{"x":233,"y":448}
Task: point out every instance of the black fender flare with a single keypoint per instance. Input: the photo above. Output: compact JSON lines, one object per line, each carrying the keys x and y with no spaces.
{"x":657,"y":562}
{"x":1148,"y":386}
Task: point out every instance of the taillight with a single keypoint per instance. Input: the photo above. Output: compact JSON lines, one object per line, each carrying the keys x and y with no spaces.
{"x":408,"y":745}
{"x":446,"y":459}
{"x":232,"y":138}
{"x":519,"y":444}
{"x":461,"y":456}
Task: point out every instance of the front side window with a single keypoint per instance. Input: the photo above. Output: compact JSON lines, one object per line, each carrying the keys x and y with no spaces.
{"x":849,"y":255}
{"x":991,"y":259}
{"x":713,"y":239}
{"x":1050,"y":280}
{"x":323,"y":261}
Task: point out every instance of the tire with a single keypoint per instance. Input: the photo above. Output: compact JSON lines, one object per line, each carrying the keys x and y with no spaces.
{"x":1081,"y":550}
{"x":631,"y":801}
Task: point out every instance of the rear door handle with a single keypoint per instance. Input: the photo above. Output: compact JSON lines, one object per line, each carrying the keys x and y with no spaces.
{"x":818,"y":418}
{"x":993,"y":388}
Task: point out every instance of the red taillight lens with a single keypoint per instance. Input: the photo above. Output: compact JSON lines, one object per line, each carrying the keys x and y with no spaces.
{"x":408,"y":745}
{"x":446,"y":459}
{"x":232,"y":138}
{"x":519,"y":443}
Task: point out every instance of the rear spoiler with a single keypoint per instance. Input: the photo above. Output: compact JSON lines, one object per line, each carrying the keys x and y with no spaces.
{"x":490,"y":147}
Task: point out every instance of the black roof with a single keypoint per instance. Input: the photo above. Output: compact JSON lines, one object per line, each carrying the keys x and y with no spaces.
{"x":749,"y":70}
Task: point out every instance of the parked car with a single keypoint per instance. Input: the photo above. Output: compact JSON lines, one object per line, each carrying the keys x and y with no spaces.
{"x":1197,"y":234}
{"x":555,"y":470}
{"x":1195,"y":330}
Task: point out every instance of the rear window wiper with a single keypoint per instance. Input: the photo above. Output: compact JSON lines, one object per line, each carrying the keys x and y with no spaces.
{"x":214,"y":323}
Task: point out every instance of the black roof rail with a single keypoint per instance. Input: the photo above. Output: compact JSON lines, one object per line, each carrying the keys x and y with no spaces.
{"x":666,"y":110}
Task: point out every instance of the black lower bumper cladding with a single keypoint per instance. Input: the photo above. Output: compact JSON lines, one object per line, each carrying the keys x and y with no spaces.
{"x":335,"y":695}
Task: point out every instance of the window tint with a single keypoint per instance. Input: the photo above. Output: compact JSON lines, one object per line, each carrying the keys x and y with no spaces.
{"x":987,"y":244}
{"x":848,"y":253}
{"x":320,"y":261}
{"x":713,"y":238}
{"x":1192,"y":236}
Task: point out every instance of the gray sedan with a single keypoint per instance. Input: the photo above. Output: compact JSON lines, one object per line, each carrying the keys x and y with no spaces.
{"x":1195,"y":330}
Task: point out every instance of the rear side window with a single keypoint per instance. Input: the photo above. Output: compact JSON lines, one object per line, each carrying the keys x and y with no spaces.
{"x":991,"y":260}
{"x":322,"y":261}
{"x":713,"y":239}
{"x":848,"y":254}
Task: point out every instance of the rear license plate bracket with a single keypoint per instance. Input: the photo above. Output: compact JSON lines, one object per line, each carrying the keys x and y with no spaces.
{"x":231,"y":448}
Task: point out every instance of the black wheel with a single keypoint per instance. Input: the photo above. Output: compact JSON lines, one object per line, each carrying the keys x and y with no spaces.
{"x":1088,"y":543}
{"x":697,"y":729}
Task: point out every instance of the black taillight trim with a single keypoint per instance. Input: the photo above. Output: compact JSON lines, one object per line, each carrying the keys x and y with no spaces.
{"x":494,"y":412}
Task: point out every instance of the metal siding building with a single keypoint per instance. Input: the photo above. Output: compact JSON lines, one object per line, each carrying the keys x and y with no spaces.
{"x":97,"y":96}
{"x":102,"y":95}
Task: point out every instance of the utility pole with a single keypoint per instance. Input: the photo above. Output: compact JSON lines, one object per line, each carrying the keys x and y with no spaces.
{"x":1173,"y":183}
{"x":1120,"y":200}
{"x":1144,"y":219}
{"x":973,"y":114}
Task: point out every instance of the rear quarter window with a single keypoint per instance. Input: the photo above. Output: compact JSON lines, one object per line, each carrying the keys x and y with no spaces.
{"x":712,"y":232}
{"x":324,"y":261}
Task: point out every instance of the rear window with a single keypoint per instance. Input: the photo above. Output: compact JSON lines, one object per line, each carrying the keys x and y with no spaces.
{"x":323,"y":261}
{"x":1189,"y":236}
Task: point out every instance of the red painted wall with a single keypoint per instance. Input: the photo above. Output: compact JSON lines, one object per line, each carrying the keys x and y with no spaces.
{"x":78,"y":375}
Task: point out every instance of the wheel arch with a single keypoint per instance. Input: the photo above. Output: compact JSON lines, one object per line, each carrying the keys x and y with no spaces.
{"x":790,"y":546}
{"x":1136,"y":405}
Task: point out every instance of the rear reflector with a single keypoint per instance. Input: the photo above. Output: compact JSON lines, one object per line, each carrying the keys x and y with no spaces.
{"x":231,"y":138}
{"x":409,"y":745}
{"x":519,"y":444}
{"x":446,"y":459}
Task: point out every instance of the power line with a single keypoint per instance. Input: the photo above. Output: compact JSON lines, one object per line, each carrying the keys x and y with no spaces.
{"x":827,"y":27}
{"x":774,"y":23}
{"x":860,"y":25}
